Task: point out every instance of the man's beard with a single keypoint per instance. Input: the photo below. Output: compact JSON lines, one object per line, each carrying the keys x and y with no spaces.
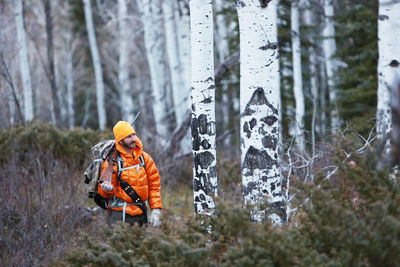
{"x":131,"y":145}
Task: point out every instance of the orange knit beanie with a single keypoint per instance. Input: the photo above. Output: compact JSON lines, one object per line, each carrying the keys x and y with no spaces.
{"x":122,"y":129}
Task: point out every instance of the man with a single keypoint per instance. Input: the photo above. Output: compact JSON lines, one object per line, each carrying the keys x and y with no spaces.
{"x":138,"y":174}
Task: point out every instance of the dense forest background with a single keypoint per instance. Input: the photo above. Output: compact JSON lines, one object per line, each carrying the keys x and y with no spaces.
{"x":342,"y":205}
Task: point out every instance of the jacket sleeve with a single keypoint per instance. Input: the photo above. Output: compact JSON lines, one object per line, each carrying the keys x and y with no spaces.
{"x":108,"y":194}
{"x":154,"y":182}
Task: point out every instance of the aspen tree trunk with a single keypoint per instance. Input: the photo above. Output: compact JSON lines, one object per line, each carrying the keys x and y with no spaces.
{"x":203,"y":107}
{"x":297,"y":75}
{"x":388,"y":64}
{"x":175,"y":66}
{"x":70,"y":80}
{"x":329,"y":47}
{"x":24,"y":62}
{"x":182,"y":21}
{"x":154,"y":42}
{"x":101,"y":109}
{"x":308,"y":21}
{"x":55,"y":104}
{"x":123,"y":71}
{"x":222,"y":46}
{"x":260,"y":107}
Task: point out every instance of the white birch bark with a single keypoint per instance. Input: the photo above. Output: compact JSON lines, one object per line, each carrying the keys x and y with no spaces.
{"x":154,"y":42}
{"x":388,"y":64}
{"x":101,"y":109}
{"x":175,"y":66}
{"x":329,"y":47}
{"x":24,"y":62}
{"x":123,"y":71}
{"x":297,"y":75}
{"x":203,"y":107}
{"x":260,"y":107}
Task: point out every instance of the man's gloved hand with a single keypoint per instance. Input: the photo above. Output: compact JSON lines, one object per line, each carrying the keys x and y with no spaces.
{"x":155,"y":217}
{"x":107,"y":186}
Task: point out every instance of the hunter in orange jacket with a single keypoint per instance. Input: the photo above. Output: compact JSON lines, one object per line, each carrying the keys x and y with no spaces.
{"x":144,"y":179}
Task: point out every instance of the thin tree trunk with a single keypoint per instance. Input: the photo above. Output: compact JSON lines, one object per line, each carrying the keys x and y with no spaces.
{"x":329,"y":47}
{"x":182,"y":21}
{"x":309,"y":21}
{"x":205,"y":183}
{"x":154,"y":43}
{"x":55,"y":105}
{"x":24,"y":62}
{"x":297,"y":75}
{"x":175,"y":66}
{"x":123,"y":71}
{"x":260,"y":107}
{"x":222,"y":46}
{"x":70,"y":80}
{"x":101,"y":109}
{"x":389,"y":58}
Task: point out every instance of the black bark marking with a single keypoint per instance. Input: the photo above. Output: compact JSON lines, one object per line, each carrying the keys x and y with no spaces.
{"x":269,"y":46}
{"x":270,"y":142}
{"x":394,"y":63}
{"x":253,"y":123}
{"x":269,"y":120}
{"x":205,"y":144}
{"x":258,"y":98}
{"x":269,"y":64}
{"x":261,"y":130}
{"x":249,"y":112}
{"x":212,"y":172}
{"x":264,"y":3}
{"x":195,"y":135}
{"x":383,"y":17}
{"x":249,"y":188}
{"x":204,"y":159}
{"x":257,"y":159}
{"x":274,"y":130}
{"x":206,"y":100}
{"x":199,"y":127}
{"x":211,"y":87}
{"x":202,"y":183}
{"x":246,"y":129}
{"x":279,"y":209}
{"x":209,"y":79}
{"x":240,"y":3}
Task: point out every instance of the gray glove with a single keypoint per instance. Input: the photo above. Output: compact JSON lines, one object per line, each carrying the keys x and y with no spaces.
{"x":155,"y":217}
{"x":107,"y":186}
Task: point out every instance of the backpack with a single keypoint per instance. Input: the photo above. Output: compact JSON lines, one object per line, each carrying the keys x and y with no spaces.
{"x":100,"y":153}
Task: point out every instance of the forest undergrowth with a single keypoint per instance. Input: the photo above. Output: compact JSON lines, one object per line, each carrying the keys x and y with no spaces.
{"x":345,"y":212}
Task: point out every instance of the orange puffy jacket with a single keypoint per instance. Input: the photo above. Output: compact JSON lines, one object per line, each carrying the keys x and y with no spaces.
{"x":146,"y":182}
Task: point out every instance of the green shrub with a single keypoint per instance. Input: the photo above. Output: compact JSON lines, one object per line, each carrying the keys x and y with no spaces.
{"x":352,"y":219}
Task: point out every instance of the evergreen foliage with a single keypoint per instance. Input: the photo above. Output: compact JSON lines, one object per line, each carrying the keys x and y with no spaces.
{"x":357,"y":39}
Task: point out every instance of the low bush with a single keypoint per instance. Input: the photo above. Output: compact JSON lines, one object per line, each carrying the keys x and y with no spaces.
{"x":352,"y":222}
